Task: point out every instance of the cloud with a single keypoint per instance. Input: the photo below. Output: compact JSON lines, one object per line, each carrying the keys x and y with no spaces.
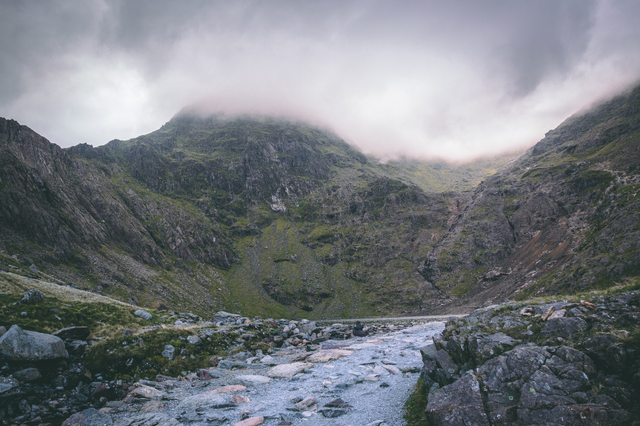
{"x":419,"y":78}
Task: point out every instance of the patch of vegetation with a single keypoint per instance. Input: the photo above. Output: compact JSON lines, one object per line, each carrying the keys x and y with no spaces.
{"x":414,"y":408}
{"x":52,"y":314}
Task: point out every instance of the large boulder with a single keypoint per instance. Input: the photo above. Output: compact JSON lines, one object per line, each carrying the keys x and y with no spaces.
{"x":22,"y":345}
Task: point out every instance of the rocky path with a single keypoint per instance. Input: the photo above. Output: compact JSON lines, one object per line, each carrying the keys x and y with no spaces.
{"x":360,"y":381}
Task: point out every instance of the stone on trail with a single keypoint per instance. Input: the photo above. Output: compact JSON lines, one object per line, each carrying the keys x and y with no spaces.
{"x":146,"y":419}
{"x":229,"y":388}
{"x":332,"y":412}
{"x":22,"y":345}
{"x":143,"y":314}
{"x":239,"y":399}
{"x":251,"y":421}
{"x":372,"y":377}
{"x":392,"y":369}
{"x":379,"y":370}
{"x":328,"y":355}
{"x":358,"y":346}
{"x":288,"y":370}
{"x":147,"y":392}
{"x":306,"y":404}
{"x":268,"y":360}
{"x":251,"y":379}
{"x":209,"y":399}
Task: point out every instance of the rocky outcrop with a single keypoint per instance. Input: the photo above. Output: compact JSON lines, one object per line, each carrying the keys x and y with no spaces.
{"x":519,"y":364}
{"x":562,"y":218}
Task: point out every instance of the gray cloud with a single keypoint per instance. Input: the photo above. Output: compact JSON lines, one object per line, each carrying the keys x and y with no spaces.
{"x":423,"y":78}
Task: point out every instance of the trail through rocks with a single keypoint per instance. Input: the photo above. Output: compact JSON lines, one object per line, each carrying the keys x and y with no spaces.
{"x":360,"y":381}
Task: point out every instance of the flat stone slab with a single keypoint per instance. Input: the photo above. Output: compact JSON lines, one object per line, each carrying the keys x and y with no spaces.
{"x":147,"y":392}
{"x":251,"y":379}
{"x":251,"y":421}
{"x":230,"y":388}
{"x":209,"y":399}
{"x":288,"y":370}
{"x":328,"y":355}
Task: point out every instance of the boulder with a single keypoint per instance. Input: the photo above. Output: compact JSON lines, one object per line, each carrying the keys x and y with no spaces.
{"x":565,"y":327}
{"x":169,"y":352}
{"x":32,"y":296}
{"x":464,"y":395}
{"x":532,"y":378}
{"x":22,"y":345}
{"x":226,"y":317}
{"x":484,"y":347}
{"x":27,"y":375}
{"x":9,"y":387}
{"x":143,"y":314}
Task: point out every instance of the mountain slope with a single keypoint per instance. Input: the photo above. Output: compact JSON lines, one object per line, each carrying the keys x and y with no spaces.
{"x":564,"y":217}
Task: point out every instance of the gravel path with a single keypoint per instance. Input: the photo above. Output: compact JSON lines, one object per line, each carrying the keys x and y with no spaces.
{"x":371,"y":381}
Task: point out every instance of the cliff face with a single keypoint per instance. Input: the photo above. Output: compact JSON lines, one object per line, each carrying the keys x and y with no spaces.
{"x":283,"y":219}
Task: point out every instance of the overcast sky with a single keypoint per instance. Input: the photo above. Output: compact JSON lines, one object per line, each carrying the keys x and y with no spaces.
{"x":449,"y":79}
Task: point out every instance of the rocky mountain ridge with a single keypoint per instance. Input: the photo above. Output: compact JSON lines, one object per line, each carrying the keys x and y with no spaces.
{"x":277,"y":218}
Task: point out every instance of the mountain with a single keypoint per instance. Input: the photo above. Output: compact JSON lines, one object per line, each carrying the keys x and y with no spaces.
{"x":279,"y":218}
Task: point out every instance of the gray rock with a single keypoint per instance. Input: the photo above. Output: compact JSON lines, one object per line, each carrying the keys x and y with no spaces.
{"x":232,"y":365}
{"x":531,"y":378}
{"x":33,"y":268}
{"x":143,"y":314}
{"x":127,"y":332}
{"x":169,"y":352}
{"x":565,"y":327}
{"x":9,"y":387}
{"x":464,"y":395}
{"x":148,"y":419}
{"x":447,"y":368}
{"x":226,"y":317}
{"x":484,"y":347}
{"x":32,"y":296}
{"x":27,"y":375}
{"x":207,"y":399}
{"x":3,"y":330}
{"x":194,"y":340}
{"x":251,"y":379}
{"x":89,"y":417}
{"x":332,"y":412}
{"x":22,"y":345}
